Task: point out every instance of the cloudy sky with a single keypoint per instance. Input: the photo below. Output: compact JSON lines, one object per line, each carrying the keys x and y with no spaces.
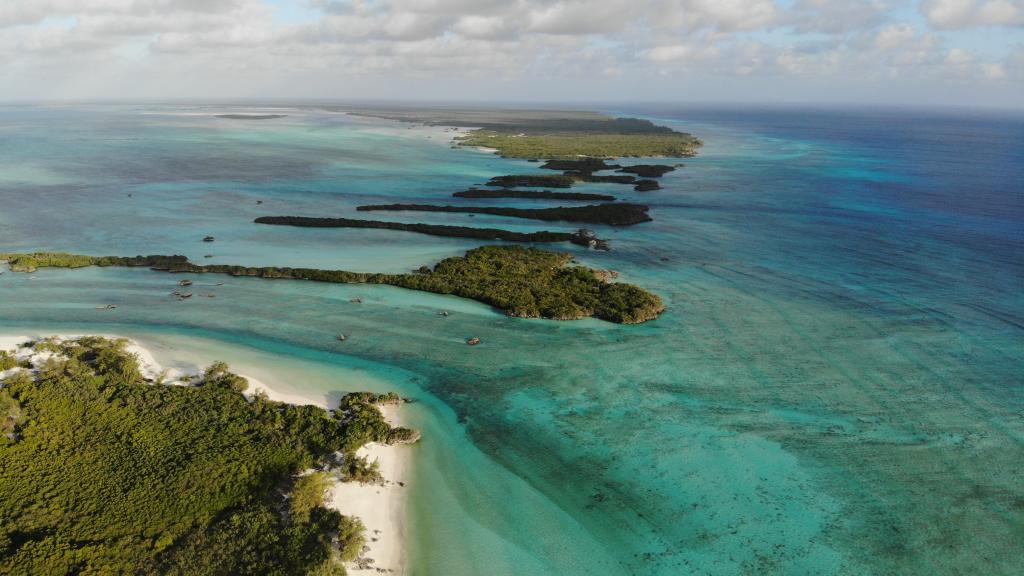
{"x":960,"y":52}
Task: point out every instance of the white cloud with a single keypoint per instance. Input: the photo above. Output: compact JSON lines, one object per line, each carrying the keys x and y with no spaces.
{"x":894,"y":36}
{"x":229,"y":46}
{"x":959,"y":57}
{"x":837,"y":16}
{"x":579,"y":17}
{"x":958,"y":14}
{"x":993,"y":71}
{"x":672,"y":53}
{"x":482,"y":26}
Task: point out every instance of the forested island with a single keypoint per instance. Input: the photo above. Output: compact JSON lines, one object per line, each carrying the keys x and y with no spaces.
{"x":580,"y":237}
{"x":648,"y":170}
{"x":579,"y":165}
{"x":619,"y":214}
{"x":602,"y":142}
{"x":555,"y":134}
{"x":106,"y":472}
{"x":522,"y":282}
{"x":532,"y":181}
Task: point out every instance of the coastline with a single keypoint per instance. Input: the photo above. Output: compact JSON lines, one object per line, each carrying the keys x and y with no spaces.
{"x":380,"y":507}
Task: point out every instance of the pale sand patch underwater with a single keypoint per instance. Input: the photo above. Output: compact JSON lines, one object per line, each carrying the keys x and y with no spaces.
{"x":380,"y":507}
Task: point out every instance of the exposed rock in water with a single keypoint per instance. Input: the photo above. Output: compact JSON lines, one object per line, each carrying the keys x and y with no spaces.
{"x":588,"y":238}
{"x":646,"y":185}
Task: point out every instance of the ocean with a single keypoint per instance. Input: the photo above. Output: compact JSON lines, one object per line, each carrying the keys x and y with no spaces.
{"x":837,"y":386}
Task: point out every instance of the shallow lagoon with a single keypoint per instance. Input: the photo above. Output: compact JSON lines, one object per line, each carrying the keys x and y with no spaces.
{"x":836,"y":387}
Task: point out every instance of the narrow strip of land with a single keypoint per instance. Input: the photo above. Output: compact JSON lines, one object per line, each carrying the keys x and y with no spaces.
{"x":523,"y":282}
{"x":581,"y":237}
{"x":620,"y":214}
{"x":530,"y":194}
{"x":532,"y":181}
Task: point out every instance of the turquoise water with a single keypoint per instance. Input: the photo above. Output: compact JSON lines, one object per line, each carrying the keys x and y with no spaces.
{"x":836,"y":387}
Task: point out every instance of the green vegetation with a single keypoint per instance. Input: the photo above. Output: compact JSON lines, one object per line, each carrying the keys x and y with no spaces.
{"x":11,"y":417}
{"x":646,"y":185}
{"x":527,"y":282}
{"x":7,"y":361}
{"x":569,"y":145}
{"x":360,"y":470}
{"x":308,"y":493}
{"x":524,"y":282}
{"x":609,"y":179}
{"x":517,"y":121}
{"x":545,"y":195}
{"x":104,"y":473}
{"x":550,"y":134}
{"x":542,"y":236}
{"x":31,"y":262}
{"x":648,"y":170}
{"x":579,"y":166}
{"x":532,"y":180}
{"x":620,"y":214}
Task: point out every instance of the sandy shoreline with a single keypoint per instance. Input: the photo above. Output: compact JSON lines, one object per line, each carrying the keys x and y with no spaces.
{"x":381,"y":508}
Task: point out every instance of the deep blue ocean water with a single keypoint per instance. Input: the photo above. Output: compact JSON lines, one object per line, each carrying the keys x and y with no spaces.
{"x":837,"y":386}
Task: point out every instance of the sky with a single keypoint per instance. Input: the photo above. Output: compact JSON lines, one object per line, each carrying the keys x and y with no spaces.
{"x":899,"y":52}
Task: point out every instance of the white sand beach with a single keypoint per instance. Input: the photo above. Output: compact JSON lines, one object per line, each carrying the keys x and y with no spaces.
{"x":381,"y":508}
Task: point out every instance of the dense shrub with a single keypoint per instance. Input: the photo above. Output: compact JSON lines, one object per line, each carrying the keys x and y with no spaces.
{"x":524,"y":282}
{"x":109,"y":474}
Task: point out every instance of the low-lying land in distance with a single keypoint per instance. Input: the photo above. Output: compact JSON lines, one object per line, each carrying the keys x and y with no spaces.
{"x":551,"y":134}
{"x":251,"y":116}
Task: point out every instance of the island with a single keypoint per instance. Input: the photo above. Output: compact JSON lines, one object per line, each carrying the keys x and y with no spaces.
{"x":647,"y":170}
{"x":522,"y":282}
{"x":107,"y":471}
{"x":582,"y":237}
{"x":646,"y":185}
{"x":550,"y":134}
{"x":530,"y":194}
{"x":605,"y":179}
{"x":613,"y":214}
{"x":568,"y":179}
{"x":533,"y":181}
{"x":580,"y":165}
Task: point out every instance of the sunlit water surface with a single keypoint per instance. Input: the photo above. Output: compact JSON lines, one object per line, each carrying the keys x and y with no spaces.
{"x":836,"y":387}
